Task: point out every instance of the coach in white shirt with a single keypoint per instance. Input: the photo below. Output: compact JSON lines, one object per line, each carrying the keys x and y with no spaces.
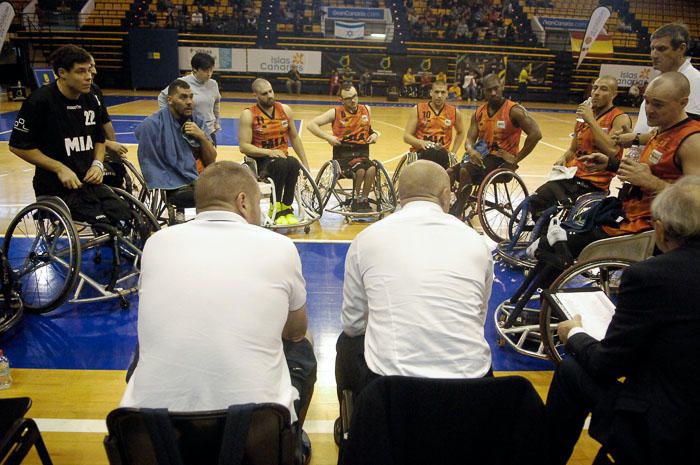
{"x":222,"y":303}
{"x":669,"y":45}
{"x":417,"y":286}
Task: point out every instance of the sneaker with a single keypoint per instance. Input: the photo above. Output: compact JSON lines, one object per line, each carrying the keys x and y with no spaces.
{"x":286,"y":209}
{"x":291,"y":219}
{"x":281,"y":220}
{"x":272,"y":211}
{"x":364,"y":207}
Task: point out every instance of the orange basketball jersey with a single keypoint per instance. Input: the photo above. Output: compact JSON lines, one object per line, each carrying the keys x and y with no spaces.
{"x":497,"y":130}
{"x":352,"y":128}
{"x":270,"y":131}
{"x":585,"y":145}
{"x":660,"y":155}
{"x":435,"y":127}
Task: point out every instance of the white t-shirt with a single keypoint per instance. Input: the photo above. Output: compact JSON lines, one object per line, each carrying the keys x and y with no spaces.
{"x":693,"y":75}
{"x":418,"y":284}
{"x":214,"y":297}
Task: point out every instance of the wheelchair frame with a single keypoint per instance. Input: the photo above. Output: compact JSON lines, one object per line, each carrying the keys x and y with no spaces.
{"x":531,"y":330}
{"x":58,"y":247}
{"x":306,"y":195}
{"x":328,"y":182}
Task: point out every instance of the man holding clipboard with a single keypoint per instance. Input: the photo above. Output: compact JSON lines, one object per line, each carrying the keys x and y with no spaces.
{"x":652,"y":341}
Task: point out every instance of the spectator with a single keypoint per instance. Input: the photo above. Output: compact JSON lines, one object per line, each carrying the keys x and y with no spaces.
{"x":469,"y":86}
{"x":366,"y":84}
{"x":334,"y":83}
{"x":294,"y":80}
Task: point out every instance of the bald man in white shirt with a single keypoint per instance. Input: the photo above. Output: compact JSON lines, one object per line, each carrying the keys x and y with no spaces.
{"x":416,"y":291}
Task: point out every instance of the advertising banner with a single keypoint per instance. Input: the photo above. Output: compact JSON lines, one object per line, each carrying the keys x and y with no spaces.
{"x":562,"y":24}
{"x":225,"y":59}
{"x":279,"y":61}
{"x":389,"y":67}
{"x":356,"y":14}
{"x":627,"y":75}
{"x":595,"y":26}
{"x":345,"y":30}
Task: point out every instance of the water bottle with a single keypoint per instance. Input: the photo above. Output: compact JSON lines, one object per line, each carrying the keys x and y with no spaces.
{"x":5,"y":377}
{"x":588,"y":102}
{"x":633,"y":153}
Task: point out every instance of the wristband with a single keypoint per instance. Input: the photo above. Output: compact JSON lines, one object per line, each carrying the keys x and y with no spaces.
{"x":99,"y":164}
{"x":613,"y":164}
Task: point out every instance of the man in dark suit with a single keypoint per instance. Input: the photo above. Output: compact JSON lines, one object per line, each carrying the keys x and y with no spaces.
{"x":653,"y":342}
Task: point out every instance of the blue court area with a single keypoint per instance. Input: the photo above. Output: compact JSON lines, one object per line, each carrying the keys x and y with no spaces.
{"x":102,"y":336}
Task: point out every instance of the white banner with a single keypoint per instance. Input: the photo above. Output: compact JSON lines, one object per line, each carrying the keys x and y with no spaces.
{"x":7,"y":13}
{"x":279,"y":61}
{"x":225,"y":59}
{"x":345,"y":30}
{"x":627,"y":75}
{"x":596,"y":24}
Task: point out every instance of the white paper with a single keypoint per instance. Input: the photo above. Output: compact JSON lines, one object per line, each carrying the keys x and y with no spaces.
{"x":562,"y":172}
{"x":595,"y":308}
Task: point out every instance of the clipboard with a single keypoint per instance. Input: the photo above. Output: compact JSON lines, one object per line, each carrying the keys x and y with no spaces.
{"x":594,"y":306}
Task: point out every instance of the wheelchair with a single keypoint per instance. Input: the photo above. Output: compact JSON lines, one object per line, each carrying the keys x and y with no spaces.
{"x":11,"y":306}
{"x":53,"y":259}
{"x":308,"y":203}
{"x":493,"y":201}
{"x":529,"y":326}
{"x":522,"y":230}
{"x":330,"y":184}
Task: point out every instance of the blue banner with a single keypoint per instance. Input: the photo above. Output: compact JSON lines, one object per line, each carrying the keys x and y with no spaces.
{"x":43,"y":76}
{"x":357,"y":13}
{"x":563,"y":24}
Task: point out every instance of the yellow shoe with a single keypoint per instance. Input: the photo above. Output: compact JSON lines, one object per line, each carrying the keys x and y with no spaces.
{"x":291,"y":219}
{"x":272,"y":211}
{"x":288,"y":209}
{"x":281,"y":221}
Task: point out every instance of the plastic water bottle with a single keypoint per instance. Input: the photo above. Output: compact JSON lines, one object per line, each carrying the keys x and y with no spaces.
{"x":588,"y":102}
{"x":5,"y":377}
{"x":633,"y":153}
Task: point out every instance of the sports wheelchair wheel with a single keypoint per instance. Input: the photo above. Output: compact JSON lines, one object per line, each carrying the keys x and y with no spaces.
{"x":308,"y":194}
{"x":326,"y":179}
{"x":499,"y":194}
{"x":384,"y":191}
{"x":406,"y":159}
{"x":43,"y":254}
{"x":602,"y":273}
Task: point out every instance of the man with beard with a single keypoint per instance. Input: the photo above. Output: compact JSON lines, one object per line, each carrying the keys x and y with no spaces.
{"x":170,"y":142}
{"x":265,"y":131}
{"x":493,"y":139}
{"x":350,"y":139}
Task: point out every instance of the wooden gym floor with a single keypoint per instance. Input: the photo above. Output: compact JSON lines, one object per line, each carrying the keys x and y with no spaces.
{"x":71,"y":404}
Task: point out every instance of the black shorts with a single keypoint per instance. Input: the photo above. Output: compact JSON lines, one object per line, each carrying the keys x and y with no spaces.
{"x":352,"y":158}
{"x":478,"y":173}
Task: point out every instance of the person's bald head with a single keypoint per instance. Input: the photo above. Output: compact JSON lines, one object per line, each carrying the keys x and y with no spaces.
{"x":259,"y":84}
{"x":263,"y":92}
{"x":665,"y":99}
{"x":425,"y":180}
{"x":228,"y":186}
{"x":673,"y":84}
{"x":603,"y":92}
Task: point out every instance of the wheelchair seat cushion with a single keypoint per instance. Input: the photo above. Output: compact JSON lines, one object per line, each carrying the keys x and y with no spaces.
{"x":97,"y":204}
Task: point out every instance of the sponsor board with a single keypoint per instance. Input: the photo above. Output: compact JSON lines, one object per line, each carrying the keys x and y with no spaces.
{"x":280,"y":61}
{"x":225,"y":59}
{"x":627,"y":75}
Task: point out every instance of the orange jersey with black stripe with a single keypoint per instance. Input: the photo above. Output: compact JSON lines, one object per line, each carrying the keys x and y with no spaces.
{"x":270,"y":131}
{"x":498,"y":130}
{"x":435,"y":127}
{"x":586,"y":145}
{"x":352,"y":128}
{"x":660,"y":155}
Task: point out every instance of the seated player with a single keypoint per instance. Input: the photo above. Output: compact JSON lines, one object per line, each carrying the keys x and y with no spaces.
{"x":433,"y":122}
{"x":493,"y":139}
{"x":264,"y":133}
{"x":600,"y":120}
{"x":170,"y":142}
{"x":350,"y":138}
{"x":58,"y":130}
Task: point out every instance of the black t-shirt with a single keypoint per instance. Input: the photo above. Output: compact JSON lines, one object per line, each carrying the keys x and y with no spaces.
{"x":104,"y":114}
{"x":63,"y":129}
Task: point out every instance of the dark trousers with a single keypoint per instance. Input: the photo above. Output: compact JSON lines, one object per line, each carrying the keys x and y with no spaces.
{"x":97,"y":203}
{"x":572,"y":395}
{"x":182,"y":197}
{"x":284,"y":173}
{"x":351,"y":370}
{"x":560,"y":191}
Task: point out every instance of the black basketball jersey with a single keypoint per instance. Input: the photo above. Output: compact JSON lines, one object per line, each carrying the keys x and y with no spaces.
{"x":63,"y":129}
{"x":104,"y":114}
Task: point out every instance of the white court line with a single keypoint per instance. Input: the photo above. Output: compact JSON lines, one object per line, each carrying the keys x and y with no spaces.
{"x":123,"y":133}
{"x":114,"y":118}
{"x":551,"y":145}
{"x":301,"y":127}
{"x":554,"y":118}
{"x":389,"y":124}
{"x":6,"y":132}
{"x":65,"y":425}
{"x":324,"y":241}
